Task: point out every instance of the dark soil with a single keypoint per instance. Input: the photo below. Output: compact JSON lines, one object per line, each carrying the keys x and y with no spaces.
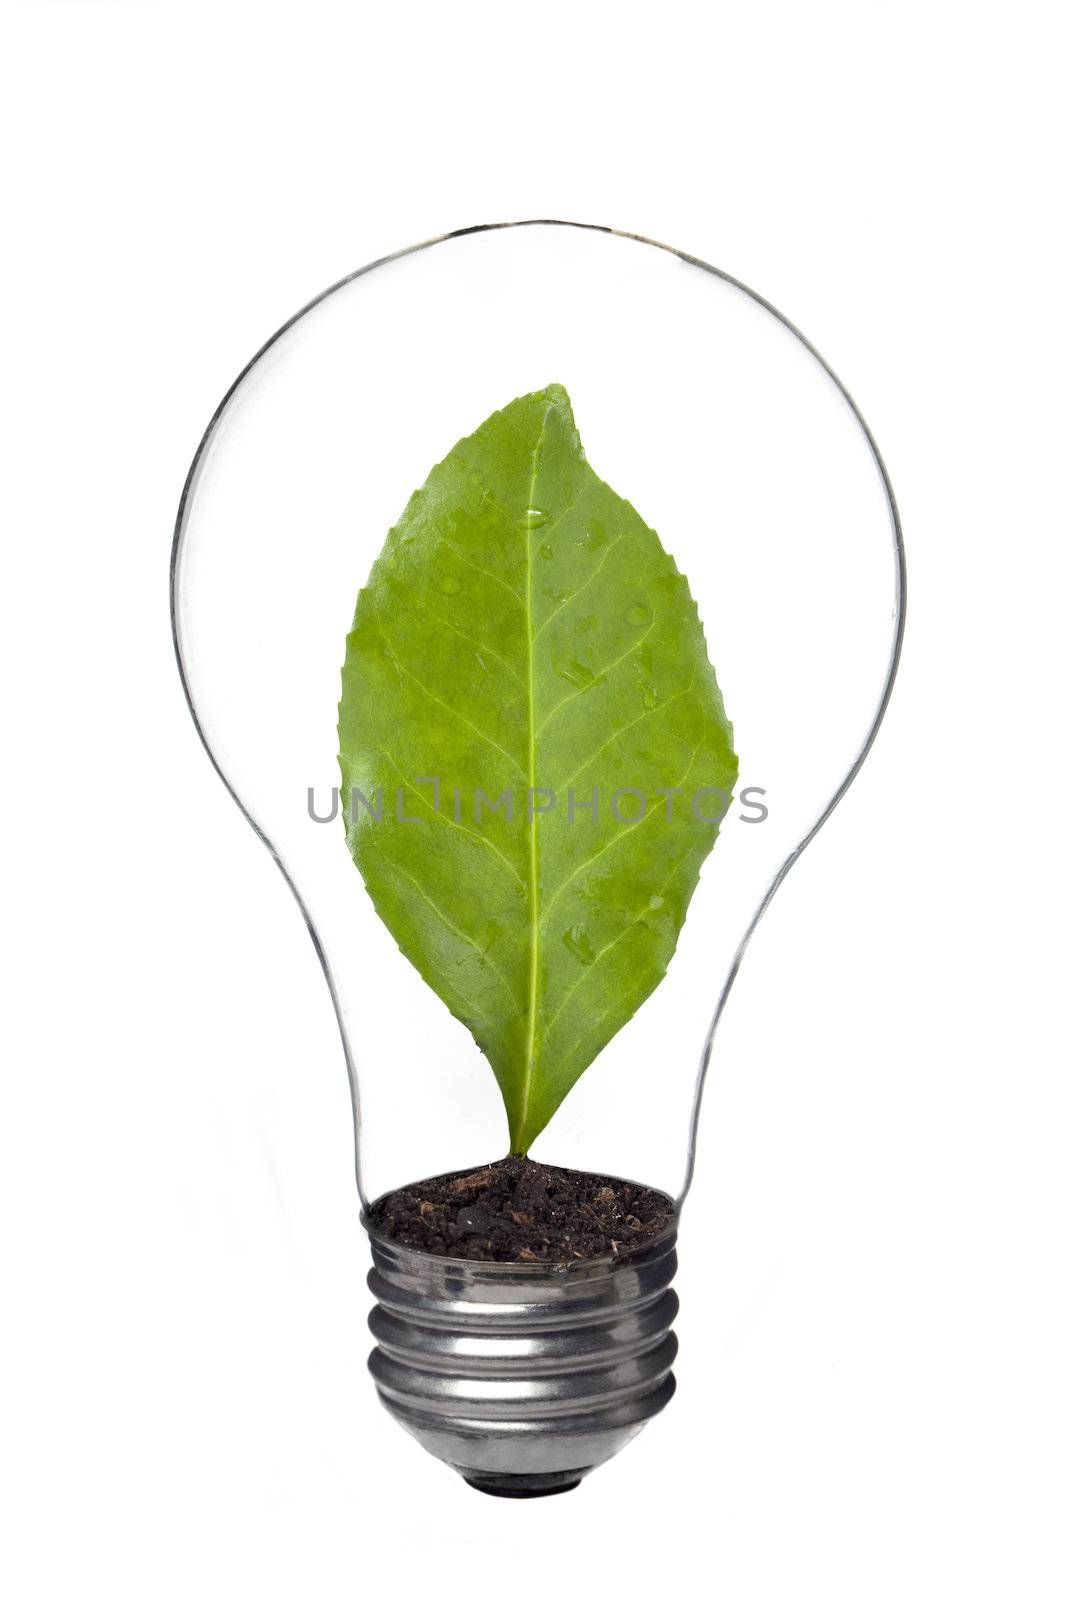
{"x":519,"y":1210}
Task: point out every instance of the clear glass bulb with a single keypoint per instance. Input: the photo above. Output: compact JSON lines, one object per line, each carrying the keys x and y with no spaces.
{"x":714,"y":416}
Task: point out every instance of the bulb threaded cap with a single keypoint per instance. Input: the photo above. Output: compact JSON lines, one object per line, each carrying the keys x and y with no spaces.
{"x":523,"y":1376}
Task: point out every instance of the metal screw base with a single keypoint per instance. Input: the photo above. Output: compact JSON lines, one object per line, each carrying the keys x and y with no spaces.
{"x":523,"y":1376}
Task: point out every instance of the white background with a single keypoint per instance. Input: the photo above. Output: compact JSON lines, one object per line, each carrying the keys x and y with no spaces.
{"x":872,"y":1397}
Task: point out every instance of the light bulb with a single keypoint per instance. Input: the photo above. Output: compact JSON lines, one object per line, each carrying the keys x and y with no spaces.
{"x":710,"y":413}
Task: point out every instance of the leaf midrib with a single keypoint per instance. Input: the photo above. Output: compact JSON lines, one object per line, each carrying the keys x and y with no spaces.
{"x":531,"y":762}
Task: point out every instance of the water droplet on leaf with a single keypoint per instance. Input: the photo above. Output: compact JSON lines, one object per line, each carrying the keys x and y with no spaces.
{"x":534,"y":517}
{"x":576,"y":672}
{"x":577,"y":942}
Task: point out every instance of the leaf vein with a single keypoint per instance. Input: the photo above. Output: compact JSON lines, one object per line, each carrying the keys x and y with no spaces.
{"x":608,"y":948}
{"x":661,"y":705}
{"x":458,"y":715}
{"x":484,"y":571}
{"x":534,"y":864}
{"x":606,"y":671}
{"x":477,"y":644}
{"x":581,"y":587}
{"x":453,"y":927}
{"x":450,"y":822}
{"x":625,"y":833}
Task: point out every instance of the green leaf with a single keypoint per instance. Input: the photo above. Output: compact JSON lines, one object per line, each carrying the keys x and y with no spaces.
{"x":524,"y":630}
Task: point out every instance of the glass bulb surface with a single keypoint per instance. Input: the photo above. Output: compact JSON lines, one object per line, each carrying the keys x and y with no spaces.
{"x":720,"y":423}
